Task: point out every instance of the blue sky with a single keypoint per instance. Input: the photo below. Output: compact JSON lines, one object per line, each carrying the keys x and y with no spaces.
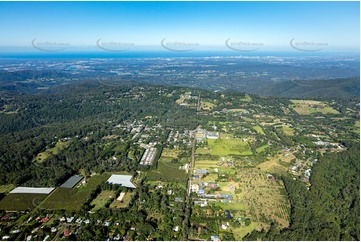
{"x":207,"y":24}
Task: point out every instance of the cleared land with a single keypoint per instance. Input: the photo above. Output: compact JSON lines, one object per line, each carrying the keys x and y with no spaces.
{"x":100,"y":201}
{"x":247,"y":98}
{"x":277,"y":164}
{"x":21,"y":201}
{"x":258,"y":129}
{"x":307,"y":107}
{"x":167,"y":171}
{"x":60,"y":146}
{"x":6,"y":188}
{"x":124,"y":202}
{"x":265,"y":199}
{"x":207,"y":105}
{"x":72,"y":199}
{"x":261,"y":148}
{"x":227,"y":145}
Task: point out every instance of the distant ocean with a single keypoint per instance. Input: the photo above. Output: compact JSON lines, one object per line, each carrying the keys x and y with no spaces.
{"x":163,"y":54}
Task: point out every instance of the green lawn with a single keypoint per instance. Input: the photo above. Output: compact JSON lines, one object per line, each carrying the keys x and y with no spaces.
{"x":242,"y":231}
{"x":230,"y":206}
{"x":227,"y":145}
{"x":73,"y":199}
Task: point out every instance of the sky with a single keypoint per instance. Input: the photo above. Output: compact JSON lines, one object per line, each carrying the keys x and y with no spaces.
{"x":182,"y":26}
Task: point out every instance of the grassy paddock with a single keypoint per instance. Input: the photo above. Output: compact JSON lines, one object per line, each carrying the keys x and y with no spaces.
{"x":60,"y":145}
{"x":102,"y":199}
{"x":167,"y":171}
{"x":227,"y":145}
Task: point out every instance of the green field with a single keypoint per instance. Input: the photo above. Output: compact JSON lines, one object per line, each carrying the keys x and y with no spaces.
{"x":124,"y":203}
{"x":72,"y":199}
{"x":357,"y":127}
{"x":258,"y":129}
{"x":227,"y":145}
{"x":167,"y":171}
{"x":21,"y":201}
{"x":242,"y":231}
{"x":60,"y":145}
{"x":102,"y":199}
{"x":240,"y":110}
{"x":261,"y":148}
{"x":230,"y":206}
{"x":247,"y":98}
{"x":287,"y":130}
{"x":206,"y":164}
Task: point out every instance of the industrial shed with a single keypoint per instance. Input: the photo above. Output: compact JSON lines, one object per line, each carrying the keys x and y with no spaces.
{"x":33,"y":190}
{"x":72,"y":181}
{"x":123,"y":180}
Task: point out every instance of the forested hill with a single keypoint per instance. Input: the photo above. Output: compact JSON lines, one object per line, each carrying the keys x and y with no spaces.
{"x":343,"y":87}
{"x":43,"y":81}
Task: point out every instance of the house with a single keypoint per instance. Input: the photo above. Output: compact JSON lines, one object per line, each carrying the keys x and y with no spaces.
{"x":69,"y":220}
{"x":201,"y":172}
{"x":200,"y":191}
{"x":195,"y":188}
{"x":178,"y":199}
{"x":214,"y":238}
{"x":228,"y":214}
{"x":67,"y":233}
{"x":44,"y":220}
{"x":212,"y":135}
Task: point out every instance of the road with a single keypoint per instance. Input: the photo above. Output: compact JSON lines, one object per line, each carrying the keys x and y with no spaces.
{"x":188,"y":201}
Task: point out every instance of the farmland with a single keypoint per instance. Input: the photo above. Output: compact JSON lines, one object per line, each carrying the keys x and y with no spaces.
{"x":21,"y":201}
{"x":72,"y":199}
{"x":307,"y":107}
{"x":265,"y":198}
{"x":206,"y":105}
{"x":167,"y":171}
